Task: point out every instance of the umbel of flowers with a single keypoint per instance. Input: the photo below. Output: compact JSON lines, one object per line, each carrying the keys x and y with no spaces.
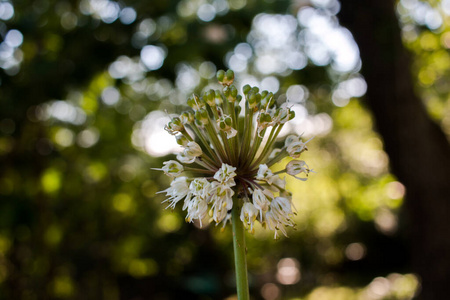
{"x":227,"y":156}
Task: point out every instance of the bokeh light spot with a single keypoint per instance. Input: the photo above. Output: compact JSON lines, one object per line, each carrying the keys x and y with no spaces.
{"x":270,"y":291}
{"x":153,"y":57}
{"x":355,"y":251}
{"x":288,"y":271}
{"x":206,"y":12}
{"x":127,"y":15}
{"x":14,"y":38}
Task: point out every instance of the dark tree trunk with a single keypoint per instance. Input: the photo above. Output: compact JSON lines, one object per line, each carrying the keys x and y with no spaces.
{"x":418,"y":150}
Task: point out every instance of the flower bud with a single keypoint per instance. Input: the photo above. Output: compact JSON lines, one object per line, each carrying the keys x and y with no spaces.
{"x":224,"y":123}
{"x":201,"y":115}
{"x":291,"y":114}
{"x":238,"y":109}
{"x":190,"y":153}
{"x":267,"y":100}
{"x":230,"y":93}
{"x":218,"y":97}
{"x":172,"y":168}
{"x":246,"y":88}
{"x":254,"y":98}
{"x":220,"y":75}
{"x":187,"y":117}
{"x":264,"y":93}
{"x":209,"y":97}
{"x":229,"y":77}
{"x":195,"y":103}
{"x":225,"y":78}
{"x":193,"y":149}
{"x":255,"y":89}
{"x":292,"y":138}
{"x":264,"y":120}
{"x":182,"y":140}
{"x":174,"y":126}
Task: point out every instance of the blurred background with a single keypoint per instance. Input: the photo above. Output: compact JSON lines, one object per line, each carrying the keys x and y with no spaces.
{"x":84,"y":86}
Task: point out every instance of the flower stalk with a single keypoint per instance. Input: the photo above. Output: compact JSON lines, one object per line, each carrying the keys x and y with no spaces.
{"x":240,"y":253}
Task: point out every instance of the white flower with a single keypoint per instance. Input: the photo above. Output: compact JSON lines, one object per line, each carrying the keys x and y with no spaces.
{"x":193,"y":149}
{"x":295,"y":167}
{"x":221,"y":199}
{"x":171,"y":168}
{"x":196,"y":209}
{"x":177,"y":191}
{"x":296,"y":148}
{"x":261,"y":201}
{"x":185,"y":159}
{"x":292,"y":138}
{"x":234,"y":169}
{"x":225,"y":221}
{"x":226,"y":174}
{"x":263,"y":172}
{"x":279,"y":215}
{"x":190,"y":153}
{"x":200,"y":187}
{"x":249,"y":214}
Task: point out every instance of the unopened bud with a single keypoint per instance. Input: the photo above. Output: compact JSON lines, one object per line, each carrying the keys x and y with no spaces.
{"x":209,"y":98}
{"x":194,"y":102}
{"x":182,"y":140}
{"x":201,"y":115}
{"x":174,"y":126}
{"x":267,"y":100}
{"x":187,"y":117}
{"x":264,"y":94}
{"x":246,"y":89}
{"x":225,"y":78}
{"x":218,"y":97}
{"x":220,"y":75}
{"x":253,"y":99}
{"x":172,"y":168}
{"x":238,"y":109}
{"x":291,"y":114}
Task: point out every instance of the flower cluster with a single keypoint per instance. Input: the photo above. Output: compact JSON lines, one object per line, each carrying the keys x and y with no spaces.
{"x":228,"y":156}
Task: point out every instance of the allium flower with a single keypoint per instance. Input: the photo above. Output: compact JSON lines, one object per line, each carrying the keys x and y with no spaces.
{"x":230,"y":156}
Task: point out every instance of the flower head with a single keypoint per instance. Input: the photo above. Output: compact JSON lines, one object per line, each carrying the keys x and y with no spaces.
{"x":227,"y":158}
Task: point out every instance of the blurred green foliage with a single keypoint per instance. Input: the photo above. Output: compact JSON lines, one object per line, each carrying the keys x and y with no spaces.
{"x":79,"y":214}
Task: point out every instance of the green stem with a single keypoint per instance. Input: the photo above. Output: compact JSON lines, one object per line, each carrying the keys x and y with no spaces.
{"x":240,"y":260}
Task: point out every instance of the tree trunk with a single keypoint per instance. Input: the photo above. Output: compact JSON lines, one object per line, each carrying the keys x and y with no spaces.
{"x":418,"y":149}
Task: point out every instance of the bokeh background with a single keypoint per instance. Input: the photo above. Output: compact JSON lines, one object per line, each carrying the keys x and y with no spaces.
{"x":84,"y":86}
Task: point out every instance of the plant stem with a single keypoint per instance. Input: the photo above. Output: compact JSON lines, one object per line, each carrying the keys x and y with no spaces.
{"x":240,"y":260}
